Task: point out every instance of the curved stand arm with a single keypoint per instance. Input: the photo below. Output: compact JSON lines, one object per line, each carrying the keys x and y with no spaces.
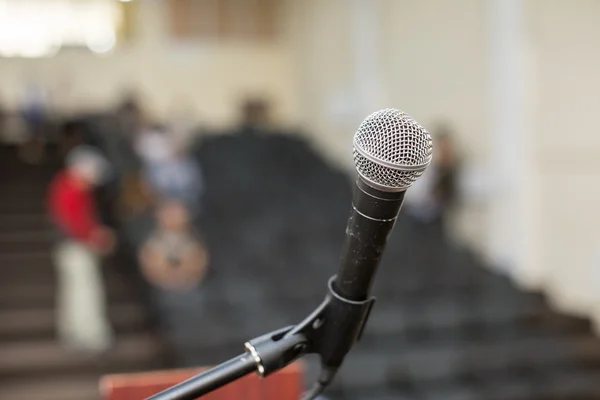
{"x":318,"y":333}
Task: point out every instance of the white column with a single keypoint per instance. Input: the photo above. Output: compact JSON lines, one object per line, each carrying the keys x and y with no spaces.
{"x":512,"y":225}
{"x":363,"y":91}
{"x":369,"y":85}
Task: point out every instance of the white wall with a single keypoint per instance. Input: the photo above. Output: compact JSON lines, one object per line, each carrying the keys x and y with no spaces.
{"x":512,"y":206}
{"x":209,"y":79}
{"x":318,"y":36}
{"x":437,"y":65}
{"x":437,"y":60}
{"x":434,"y":62}
{"x":566,"y":131}
{"x":433,"y":65}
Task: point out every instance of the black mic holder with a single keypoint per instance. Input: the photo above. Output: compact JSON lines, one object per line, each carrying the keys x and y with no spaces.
{"x":319,"y":333}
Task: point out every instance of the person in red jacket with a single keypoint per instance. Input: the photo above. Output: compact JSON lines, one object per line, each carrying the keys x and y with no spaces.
{"x":81,"y":319}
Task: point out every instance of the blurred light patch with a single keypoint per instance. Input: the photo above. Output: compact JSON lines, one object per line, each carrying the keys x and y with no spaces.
{"x":102,"y":41}
{"x":40,"y":28}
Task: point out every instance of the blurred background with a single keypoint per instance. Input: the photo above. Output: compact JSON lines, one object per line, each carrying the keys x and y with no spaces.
{"x":207,"y":146}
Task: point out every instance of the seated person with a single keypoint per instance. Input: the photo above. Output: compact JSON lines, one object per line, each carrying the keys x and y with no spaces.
{"x":173,"y":258}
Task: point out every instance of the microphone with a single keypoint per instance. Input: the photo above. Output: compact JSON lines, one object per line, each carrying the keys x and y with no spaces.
{"x":391,"y":151}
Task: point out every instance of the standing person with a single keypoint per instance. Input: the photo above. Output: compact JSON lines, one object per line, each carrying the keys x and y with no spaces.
{"x":72,"y":135}
{"x":136,"y":211}
{"x":81,"y":321}
{"x":435,"y":193}
{"x":3,"y":118}
{"x":446,"y":167}
{"x":33,"y":113}
{"x":114,"y":133}
{"x":120,"y":142}
{"x":172,"y":173}
{"x":256,"y":117}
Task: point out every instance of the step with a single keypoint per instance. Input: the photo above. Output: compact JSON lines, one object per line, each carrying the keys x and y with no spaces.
{"x":39,"y":236}
{"x":441,"y":321}
{"x":432,"y":363}
{"x":27,"y":324}
{"x":15,"y":194}
{"x":24,"y":221}
{"x":285,"y":286}
{"x":25,"y":260}
{"x":43,"y":294}
{"x":21,"y":187}
{"x":443,"y":314}
{"x":60,"y":388}
{"x":23,"y":172}
{"x":38,"y":266}
{"x":24,"y":247}
{"x":556,"y":386}
{"x":46,"y":357}
{"x":28,"y":205}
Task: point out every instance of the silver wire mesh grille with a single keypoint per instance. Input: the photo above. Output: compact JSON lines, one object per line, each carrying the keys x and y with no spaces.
{"x":391,"y":149}
{"x":383,"y":176}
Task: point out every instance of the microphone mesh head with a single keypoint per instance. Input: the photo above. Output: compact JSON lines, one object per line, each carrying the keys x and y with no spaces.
{"x":391,"y":150}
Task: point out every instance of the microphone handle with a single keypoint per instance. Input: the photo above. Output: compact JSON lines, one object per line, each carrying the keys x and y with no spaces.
{"x":371,"y":221}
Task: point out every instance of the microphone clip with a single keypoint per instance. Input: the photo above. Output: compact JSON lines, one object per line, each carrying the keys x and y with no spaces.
{"x":329,"y":331}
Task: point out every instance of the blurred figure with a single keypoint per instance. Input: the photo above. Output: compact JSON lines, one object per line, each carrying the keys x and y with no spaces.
{"x":173,"y":258}
{"x":154,"y":146}
{"x":174,"y":261}
{"x":130,"y":117}
{"x":82,"y":322}
{"x":33,"y":114}
{"x":114,"y":134}
{"x":72,"y":135}
{"x":435,"y":192}
{"x":136,"y":210}
{"x":119,"y":143}
{"x":3,"y":118}
{"x":171,"y":172}
{"x":255,"y":116}
{"x":182,"y":126}
{"x":446,"y":169}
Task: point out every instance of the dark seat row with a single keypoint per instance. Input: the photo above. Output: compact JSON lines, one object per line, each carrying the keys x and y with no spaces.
{"x":444,"y":326}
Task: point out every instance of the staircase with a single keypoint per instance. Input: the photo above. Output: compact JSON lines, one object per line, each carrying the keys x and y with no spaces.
{"x":444,"y":326}
{"x":32,"y":364}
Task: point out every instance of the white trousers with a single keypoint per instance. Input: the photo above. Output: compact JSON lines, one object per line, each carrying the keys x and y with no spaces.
{"x":82,"y":322}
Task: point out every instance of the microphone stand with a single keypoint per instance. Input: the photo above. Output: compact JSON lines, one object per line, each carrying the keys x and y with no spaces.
{"x":273,"y":351}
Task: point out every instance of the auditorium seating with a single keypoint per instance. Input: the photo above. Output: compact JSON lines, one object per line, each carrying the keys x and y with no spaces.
{"x":444,"y":326}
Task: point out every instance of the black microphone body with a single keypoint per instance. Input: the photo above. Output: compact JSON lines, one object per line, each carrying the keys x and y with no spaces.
{"x":371,"y":221}
{"x":391,"y":151}
{"x":373,"y":216}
